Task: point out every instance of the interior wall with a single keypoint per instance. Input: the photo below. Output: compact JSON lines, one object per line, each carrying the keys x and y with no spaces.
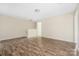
{"x":39,"y":29}
{"x":59,"y":27}
{"x":78,"y":27}
{"x":12,"y":27}
{"x":77,"y":16}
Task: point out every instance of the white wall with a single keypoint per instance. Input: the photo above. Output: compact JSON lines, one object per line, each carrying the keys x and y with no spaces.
{"x":39,"y":29}
{"x":78,"y":27}
{"x":32,"y":33}
{"x":11,"y":27}
{"x":37,"y":32}
{"x":58,"y":27}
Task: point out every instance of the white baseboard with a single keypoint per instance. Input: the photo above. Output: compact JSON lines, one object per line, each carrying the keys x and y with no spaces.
{"x":7,"y":38}
{"x":58,"y":39}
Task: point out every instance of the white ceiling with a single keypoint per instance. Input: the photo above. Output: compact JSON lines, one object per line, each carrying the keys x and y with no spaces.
{"x":27,"y":10}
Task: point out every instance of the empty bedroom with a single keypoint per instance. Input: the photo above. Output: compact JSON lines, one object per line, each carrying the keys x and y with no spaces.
{"x":39,"y":29}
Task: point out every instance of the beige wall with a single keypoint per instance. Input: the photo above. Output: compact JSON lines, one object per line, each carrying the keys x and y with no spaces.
{"x":58,"y":27}
{"x":11,"y":27}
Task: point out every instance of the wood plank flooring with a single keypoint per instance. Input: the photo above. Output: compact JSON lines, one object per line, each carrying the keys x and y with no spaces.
{"x":36,"y":47}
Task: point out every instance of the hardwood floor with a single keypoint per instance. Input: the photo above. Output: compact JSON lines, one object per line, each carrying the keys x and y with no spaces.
{"x":36,"y":47}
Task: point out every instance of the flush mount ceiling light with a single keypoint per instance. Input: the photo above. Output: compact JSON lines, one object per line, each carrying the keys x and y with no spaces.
{"x":37,"y":10}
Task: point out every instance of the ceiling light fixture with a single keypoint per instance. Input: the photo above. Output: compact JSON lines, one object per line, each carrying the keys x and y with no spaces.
{"x":37,"y":10}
